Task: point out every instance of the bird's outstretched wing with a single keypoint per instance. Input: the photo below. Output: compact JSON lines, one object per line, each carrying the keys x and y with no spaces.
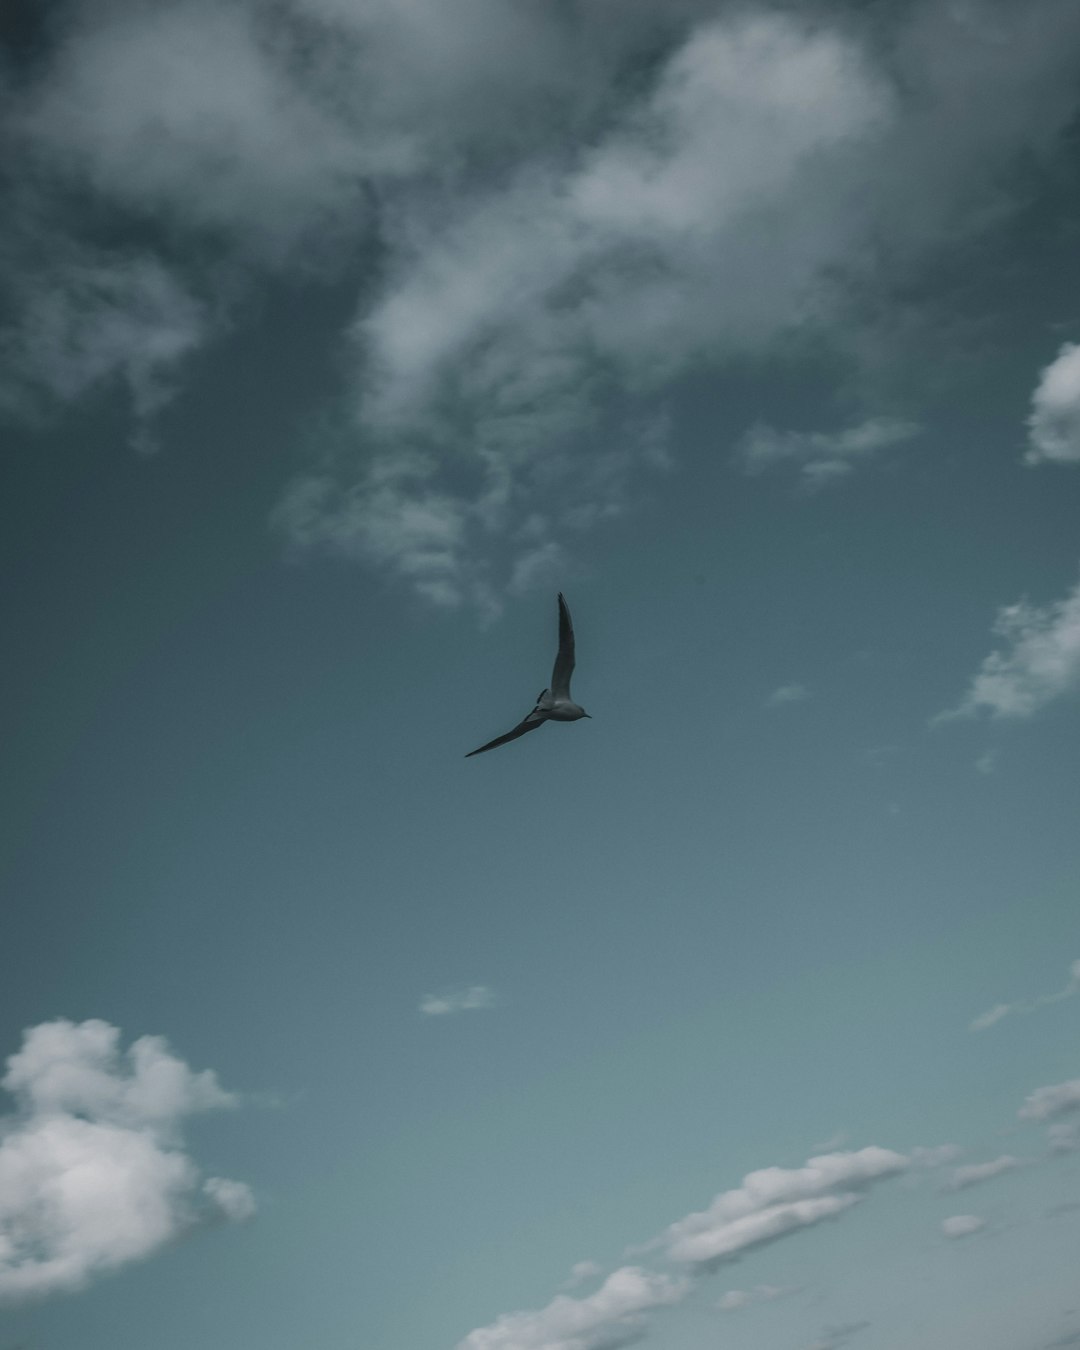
{"x":530,"y":723}
{"x":564,"y":662}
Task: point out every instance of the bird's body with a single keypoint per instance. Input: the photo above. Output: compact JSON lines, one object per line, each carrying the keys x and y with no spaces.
{"x":554,"y":704}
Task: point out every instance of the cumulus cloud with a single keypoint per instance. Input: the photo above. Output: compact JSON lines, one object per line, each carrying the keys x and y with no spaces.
{"x":93,"y":1173}
{"x":776,"y":1201}
{"x":610,"y":1318}
{"x":1054,"y":424}
{"x":962,"y":1225}
{"x":822,"y":457}
{"x":995,"y":1014}
{"x":974,"y":1174}
{"x":476,"y":996}
{"x":1039,"y":662}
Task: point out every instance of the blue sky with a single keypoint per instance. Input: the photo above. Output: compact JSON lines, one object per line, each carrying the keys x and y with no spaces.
{"x":339,"y":336}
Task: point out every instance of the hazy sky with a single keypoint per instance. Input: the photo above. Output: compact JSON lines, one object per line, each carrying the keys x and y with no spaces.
{"x":338,"y":336}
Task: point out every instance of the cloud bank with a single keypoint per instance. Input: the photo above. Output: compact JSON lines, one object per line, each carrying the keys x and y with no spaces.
{"x":554,"y":218}
{"x":93,"y":1172}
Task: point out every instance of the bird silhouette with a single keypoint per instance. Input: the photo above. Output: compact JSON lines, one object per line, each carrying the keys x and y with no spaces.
{"x":555,"y":703}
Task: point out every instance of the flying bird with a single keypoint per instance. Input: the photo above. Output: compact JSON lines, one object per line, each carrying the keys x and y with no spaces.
{"x":554,"y":704}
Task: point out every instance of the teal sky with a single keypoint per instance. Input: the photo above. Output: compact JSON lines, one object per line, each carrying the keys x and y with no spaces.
{"x":338,"y":337}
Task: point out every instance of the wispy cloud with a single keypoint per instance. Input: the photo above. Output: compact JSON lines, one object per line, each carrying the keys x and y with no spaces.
{"x":475,"y":997}
{"x":1039,"y":663}
{"x":787,"y":693}
{"x":93,"y":1173}
{"x":974,"y":1174}
{"x":962,"y":1225}
{"x":736,"y":1299}
{"x":610,"y":1318}
{"x":822,"y":457}
{"x":1054,"y":423}
{"x":98,"y":320}
{"x":1026,"y":1005}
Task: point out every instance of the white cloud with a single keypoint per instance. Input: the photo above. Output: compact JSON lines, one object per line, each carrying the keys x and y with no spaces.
{"x":1041,"y":660}
{"x":93,"y":1173}
{"x":787,"y":693}
{"x":1055,"y":1100}
{"x":974,"y":1174}
{"x":460,"y":1000}
{"x":775,"y":1201}
{"x":1054,"y":424}
{"x":606,"y":1320}
{"x":822,"y":457}
{"x":962,"y":1225}
{"x":736,"y":1299}
{"x":987,"y":762}
{"x":1025,"y":1005}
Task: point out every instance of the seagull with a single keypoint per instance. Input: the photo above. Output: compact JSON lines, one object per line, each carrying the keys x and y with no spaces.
{"x":554,"y":704}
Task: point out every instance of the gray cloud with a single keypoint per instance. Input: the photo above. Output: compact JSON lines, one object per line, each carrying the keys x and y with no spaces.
{"x":93,"y":1174}
{"x":560,"y":219}
{"x":822,"y":457}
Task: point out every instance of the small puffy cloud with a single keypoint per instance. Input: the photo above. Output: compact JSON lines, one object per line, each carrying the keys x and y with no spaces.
{"x":787,"y":693}
{"x":93,"y":1173}
{"x":608,"y":1319}
{"x":776,"y":1201}
{"x":476,"y":996}
{"x":735,"y":1299}
{"x":974,"y":1174}
{"x":1040,"y":660}
{"x":987,"y":762}
{"x":1054,"y":423}
{"x":822,"y":456}
{"x":1056,"y":1100}
{"x":1001,"y":1010}
{"x":962,"y":1225}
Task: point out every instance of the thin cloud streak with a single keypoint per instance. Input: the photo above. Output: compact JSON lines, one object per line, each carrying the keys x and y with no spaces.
{"x":472,"y":999}
{"x":999,"y":1011}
